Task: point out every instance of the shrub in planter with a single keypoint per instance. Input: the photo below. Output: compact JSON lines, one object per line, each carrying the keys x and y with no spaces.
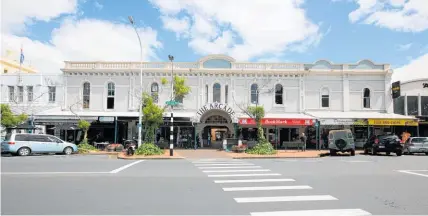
{"x":149,"y":149}
{"x":84,"y":147}
{"x":112,"y":147}
{"x":119,"y":148}
{"x":262,"y":148}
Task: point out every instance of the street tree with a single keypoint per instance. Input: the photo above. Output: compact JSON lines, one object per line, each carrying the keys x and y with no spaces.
{"x":152,"y":117}
{"x":9,"y":119}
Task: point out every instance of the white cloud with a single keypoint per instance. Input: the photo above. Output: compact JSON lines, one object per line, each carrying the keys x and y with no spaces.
{"x":240,"y":28}
{"x":404,"y":47}
{"x":179,"y":26}
{"x":98,"y":5}
{"x":85,"y":40}
{"x":15,"y":14}
{"x":416,"y":69}
{"x":399,"y":15}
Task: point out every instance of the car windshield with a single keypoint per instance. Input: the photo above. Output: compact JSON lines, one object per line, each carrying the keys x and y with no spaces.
{"x":340,"y":134}
{"x":7,"y":138}
{"x":419,"y":140}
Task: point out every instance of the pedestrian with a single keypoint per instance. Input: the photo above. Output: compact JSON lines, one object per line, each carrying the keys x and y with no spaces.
{"x":303,"y":138}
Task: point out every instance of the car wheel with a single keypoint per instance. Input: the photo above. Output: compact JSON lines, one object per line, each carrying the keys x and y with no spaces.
{"x":366,"y":151}
{"x":68,"y":151}
{"x":374,"y":152}
{"x":399,"y":153}
{"x":426,"y":153}
{"x":388,"y":153}
{"x":332,"y":152}
{"x":24,"y":151}
{"x":352,"y":152}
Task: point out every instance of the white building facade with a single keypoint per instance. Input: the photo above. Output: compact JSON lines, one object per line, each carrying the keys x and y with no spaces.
{"x":296,"y":97}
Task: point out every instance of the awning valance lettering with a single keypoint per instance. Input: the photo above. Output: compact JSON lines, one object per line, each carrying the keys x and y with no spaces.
{"x":392,"y":122}
{"x":278,"y":122}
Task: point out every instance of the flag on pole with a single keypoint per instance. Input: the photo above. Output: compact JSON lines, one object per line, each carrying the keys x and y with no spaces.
{"x":21,"y":58}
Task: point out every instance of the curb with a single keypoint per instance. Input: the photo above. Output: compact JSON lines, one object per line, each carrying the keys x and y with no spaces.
{"x":166,"y":158}
{"x":274,"y":157}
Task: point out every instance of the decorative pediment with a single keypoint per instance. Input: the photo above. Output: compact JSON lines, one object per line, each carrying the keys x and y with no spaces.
{"x":365,"y":65}
{"x":216,"y":61}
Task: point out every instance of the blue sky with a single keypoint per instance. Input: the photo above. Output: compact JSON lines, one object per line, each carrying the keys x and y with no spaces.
{"x":342,"y":31}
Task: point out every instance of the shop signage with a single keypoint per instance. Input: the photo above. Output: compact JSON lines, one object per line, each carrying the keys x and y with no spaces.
{"x":106,"y":118}
{"x":343,"y":122}
{"x":425,"y":85}
{"x":216,"y":106}
{"x":393,"y":122}
{"x":277,"y":121}
{"x":396,"y":89}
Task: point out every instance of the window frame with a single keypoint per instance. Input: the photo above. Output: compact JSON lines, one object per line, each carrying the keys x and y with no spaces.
{"x":323,"y":96}
{"x":20,"y":94}
{"x":226,"y":94}
{"x":154,"y":93}
{"x":30,"y":94}
{"x":364,"y":98}
{"x":216,"y":87}
{"x":279,"y":94}
{"x":52,"y":94}
{"x":11,"y":94}
{"x":111,"y":94}
{"x":206,"y":94}
{"x":86,"y":94}
{"x":256,"y":93}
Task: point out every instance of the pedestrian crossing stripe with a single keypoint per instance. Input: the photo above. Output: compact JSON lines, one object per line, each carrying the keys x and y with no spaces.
{"x":324,"y":212}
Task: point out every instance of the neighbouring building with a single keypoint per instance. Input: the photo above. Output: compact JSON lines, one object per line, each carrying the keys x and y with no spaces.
{"x":309,"y":98}
{"x":411,"y":99}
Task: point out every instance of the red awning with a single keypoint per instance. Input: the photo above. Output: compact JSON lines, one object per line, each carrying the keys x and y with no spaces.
{"x":278,"y":121}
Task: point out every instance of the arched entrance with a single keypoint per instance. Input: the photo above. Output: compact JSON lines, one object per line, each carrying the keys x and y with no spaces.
{"x":214,"y":126}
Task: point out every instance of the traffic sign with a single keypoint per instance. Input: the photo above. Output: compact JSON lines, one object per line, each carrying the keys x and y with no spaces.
{"x":172,"y":103}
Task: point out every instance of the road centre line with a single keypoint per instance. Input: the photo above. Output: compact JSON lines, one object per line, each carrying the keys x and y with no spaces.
{"x":324,"y":212}
{"x":252,"y":180}
{"x":233,"y":171}
{"x":50,"y":173}
{"x":284,"y":198}
{"x":125,"y":167}
{"x":246,"y":175}
{"x":268,"y":188}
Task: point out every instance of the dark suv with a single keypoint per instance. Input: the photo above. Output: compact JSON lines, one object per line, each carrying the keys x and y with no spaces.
{"x":384,"y":143}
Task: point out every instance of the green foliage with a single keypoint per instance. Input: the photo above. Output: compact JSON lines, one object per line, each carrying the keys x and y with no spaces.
{"x":180,"y":88}
{"x":84,"y":125}
{"x":152,"y":117}
{"x":149,"y":149}
{"x":84,"y":147}
{"x":9,"y":119}
{"x":164,"y":81}
{"x":262,"y":148}
{"x":258,"y":112}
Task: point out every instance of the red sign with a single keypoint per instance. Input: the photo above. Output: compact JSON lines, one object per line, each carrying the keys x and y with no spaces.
{"x":277,"y":121}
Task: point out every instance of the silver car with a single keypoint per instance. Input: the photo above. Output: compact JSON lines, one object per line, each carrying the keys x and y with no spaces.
{"x":416,"y":145}
{"x":341,"y":141}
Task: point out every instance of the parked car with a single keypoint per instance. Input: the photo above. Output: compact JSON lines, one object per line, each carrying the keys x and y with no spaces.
{"x":26,"y":144}
{"x":416,"y":145}
{"x":384,"y":143}
{"x":341,"y":141}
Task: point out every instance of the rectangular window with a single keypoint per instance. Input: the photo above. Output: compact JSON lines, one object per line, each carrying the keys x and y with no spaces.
{"x":399,"y":105}
{"x":226,"y":93}
{"x":412,"y":105}
{"x":110,"y":103}
{"x":424,"y":104}
{"x":325,"y":101}
{"x":30,"y":93}
{"x":206,"y":93}
{"x":11,"y":93}
{"x":52,"y":94}
{"x":20,"y":94}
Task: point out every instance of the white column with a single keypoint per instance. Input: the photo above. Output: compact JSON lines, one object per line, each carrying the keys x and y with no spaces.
{"x":419,"y":105}
{"x":405,"y":105}
{"x":345,"y":92}
{"x":388,"y":102}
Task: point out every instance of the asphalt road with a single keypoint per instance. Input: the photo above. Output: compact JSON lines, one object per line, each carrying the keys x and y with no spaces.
{"x":360,"y":185}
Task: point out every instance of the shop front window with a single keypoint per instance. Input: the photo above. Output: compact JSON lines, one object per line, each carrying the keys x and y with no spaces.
{"x":412,"y":105}
{"x":424,"y":104}
{"x":399,"y":105}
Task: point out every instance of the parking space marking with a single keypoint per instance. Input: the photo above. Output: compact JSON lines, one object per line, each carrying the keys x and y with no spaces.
{"x":125,"y":167}
{"x":414,"y":172}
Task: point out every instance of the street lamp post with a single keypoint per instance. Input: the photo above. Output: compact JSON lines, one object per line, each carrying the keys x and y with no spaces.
{"x":140,"y":106}
{"x":171,"y":129}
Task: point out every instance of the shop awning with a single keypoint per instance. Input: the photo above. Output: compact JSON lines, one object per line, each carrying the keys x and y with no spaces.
{"x":88,"y":114}
{"x":281,"y":119}
{"x":363,"y":118}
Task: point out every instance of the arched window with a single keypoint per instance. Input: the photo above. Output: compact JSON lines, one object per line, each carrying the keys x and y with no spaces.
{"x":86,"y":95}
{"x":278,"y":94}
{"x":206,"y":93}
{"x":217,"y":93}
{"x":226,"y":93}
{"x":366,"y":98}
{"x":254,"y":94}
{"x":155,"y":92}
{"x":325,"y":98}
{"x":111,"y":91}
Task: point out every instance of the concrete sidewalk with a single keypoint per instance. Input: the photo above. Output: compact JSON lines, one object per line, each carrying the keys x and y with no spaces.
{"x":281,"y":154}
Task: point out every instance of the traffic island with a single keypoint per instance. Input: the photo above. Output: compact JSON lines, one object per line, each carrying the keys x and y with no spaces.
{"x":281,"y":154}
{"x":165,"y":155}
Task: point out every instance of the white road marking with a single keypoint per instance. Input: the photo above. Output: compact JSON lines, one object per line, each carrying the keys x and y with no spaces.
{"x":226,"y":161}
{"x":357,"y":161}
{"x":414,"y":172}
{"x":246,"y":175}
{"x":324,"y":212}
{"x":268,"y":188}
{"x":253,"y":180}
{"x":228,"y":164}
{"x":230,"y":167}
{"x":125,"y":167}
{"x":232,"y":171}
{"x":284,"y":198}
{"x":50,"y":173}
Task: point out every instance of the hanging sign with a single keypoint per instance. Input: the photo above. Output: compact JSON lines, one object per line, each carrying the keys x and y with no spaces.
{"x":277,"y":121}
{"x":216,"y":106}
{"x":393,"y":122}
